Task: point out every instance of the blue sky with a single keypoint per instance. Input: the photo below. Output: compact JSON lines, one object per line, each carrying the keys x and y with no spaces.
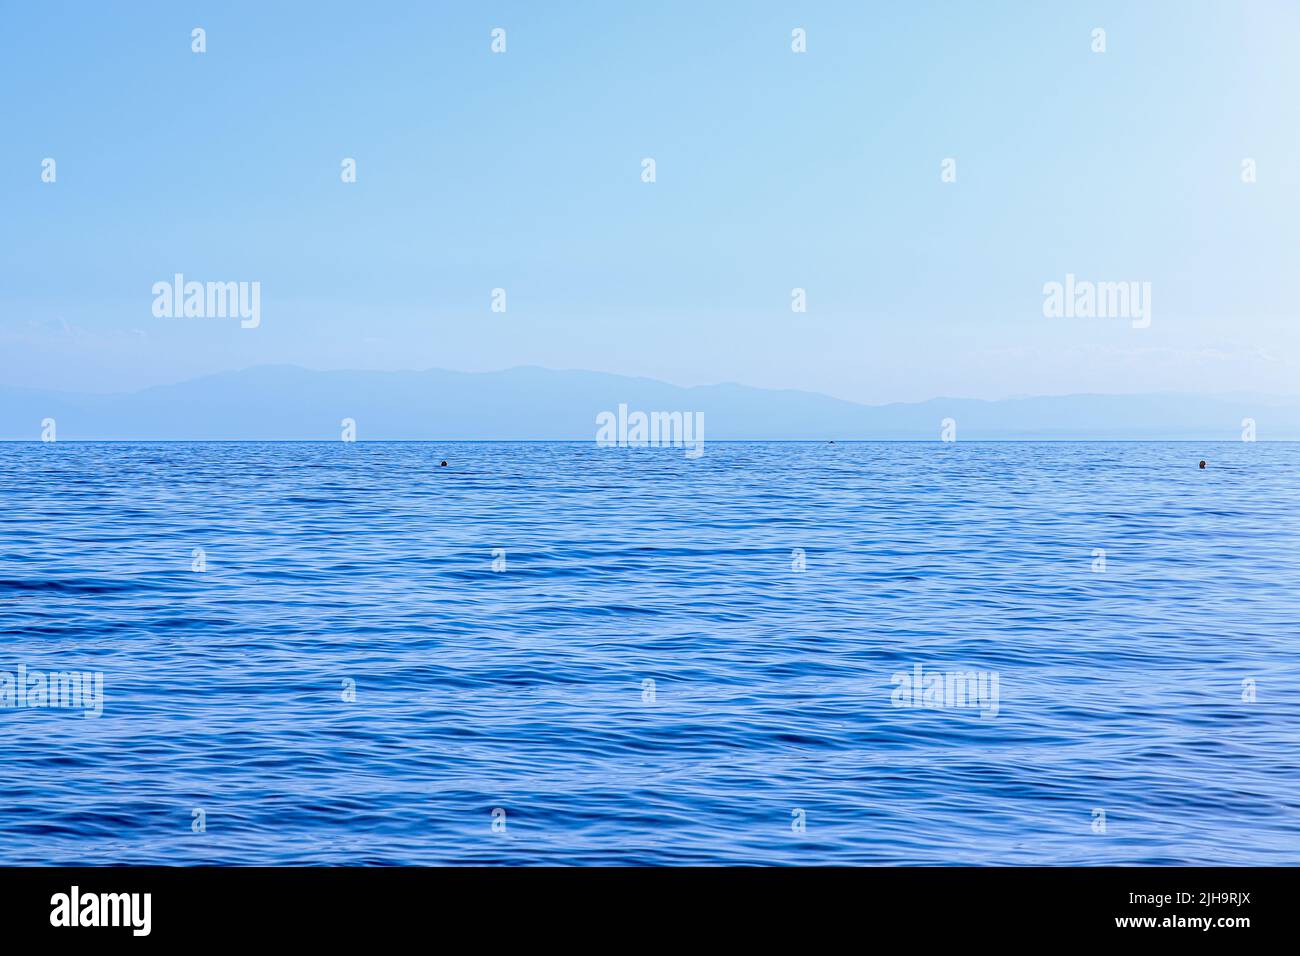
{"x":775,"y":170}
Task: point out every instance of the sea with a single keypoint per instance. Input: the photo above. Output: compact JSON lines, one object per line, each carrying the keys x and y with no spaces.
{"x":776,"y":653}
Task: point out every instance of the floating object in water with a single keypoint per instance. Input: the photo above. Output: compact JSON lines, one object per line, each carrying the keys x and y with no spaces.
{"x":444,"y":465}
{"x":1202,"y":462}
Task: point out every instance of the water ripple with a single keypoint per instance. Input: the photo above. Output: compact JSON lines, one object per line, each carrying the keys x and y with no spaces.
{"x":674,"y":662}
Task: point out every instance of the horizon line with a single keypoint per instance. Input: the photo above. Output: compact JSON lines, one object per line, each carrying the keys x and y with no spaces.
{"x":588,"y":441}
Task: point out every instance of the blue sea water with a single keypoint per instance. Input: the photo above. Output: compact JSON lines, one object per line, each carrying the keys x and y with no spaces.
{"x":350,"y":681}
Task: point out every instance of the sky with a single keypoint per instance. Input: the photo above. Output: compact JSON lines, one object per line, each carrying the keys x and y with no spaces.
{"x":774,"y":171}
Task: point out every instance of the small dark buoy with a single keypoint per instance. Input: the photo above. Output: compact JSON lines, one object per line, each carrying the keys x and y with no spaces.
{"x":444,"y":465}
{"x":1202,"y":463}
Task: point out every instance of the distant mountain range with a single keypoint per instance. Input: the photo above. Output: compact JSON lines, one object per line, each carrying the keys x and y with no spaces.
{"x":286,"y":402}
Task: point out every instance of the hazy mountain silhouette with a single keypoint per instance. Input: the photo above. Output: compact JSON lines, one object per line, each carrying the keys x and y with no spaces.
{"x":286,"y":402}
